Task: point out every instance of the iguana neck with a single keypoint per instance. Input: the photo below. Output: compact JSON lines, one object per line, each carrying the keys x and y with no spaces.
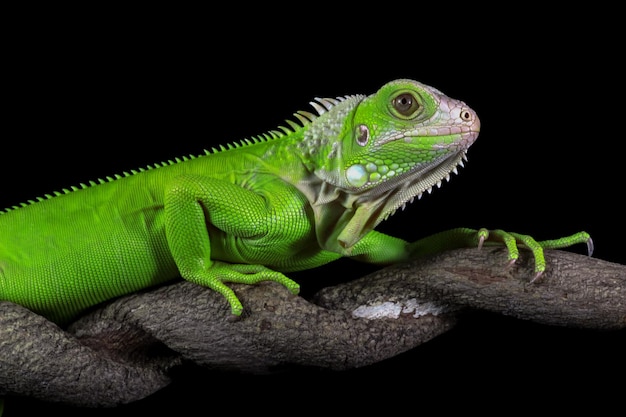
{"x":319,"y":148}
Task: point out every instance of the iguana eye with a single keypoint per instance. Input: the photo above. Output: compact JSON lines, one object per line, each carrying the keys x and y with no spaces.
{"x":406,"y":104}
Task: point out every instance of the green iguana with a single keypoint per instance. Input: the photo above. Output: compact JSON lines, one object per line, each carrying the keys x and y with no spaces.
{"x":291,"y":199}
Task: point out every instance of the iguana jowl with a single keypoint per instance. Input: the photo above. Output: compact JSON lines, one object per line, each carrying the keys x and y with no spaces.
{"x":291,"y":199}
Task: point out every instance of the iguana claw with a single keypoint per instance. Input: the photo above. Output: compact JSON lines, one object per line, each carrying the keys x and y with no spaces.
{"x":589,"y":246}
{"x":536,"y":276}
{"x":483,"y":234}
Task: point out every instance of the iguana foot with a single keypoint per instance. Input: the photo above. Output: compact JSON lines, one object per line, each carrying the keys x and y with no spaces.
{"x":221,"y":272}
{"x":512,"y":240}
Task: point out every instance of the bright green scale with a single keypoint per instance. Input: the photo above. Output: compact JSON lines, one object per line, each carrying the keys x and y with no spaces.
{"x":288,"y":200}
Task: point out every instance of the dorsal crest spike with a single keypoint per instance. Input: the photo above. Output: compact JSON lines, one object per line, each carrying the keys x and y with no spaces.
{"x":305,"y":118}
{"x":293,"y":125}
{"x":319,"y":109}
{"x":276,"y":134}
{"x":328,"y":102}
{"x":285,"y":130}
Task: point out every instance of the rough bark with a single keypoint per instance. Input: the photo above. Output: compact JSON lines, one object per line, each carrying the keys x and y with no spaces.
{"x":126,"y":350}
{"x":575,"y":290}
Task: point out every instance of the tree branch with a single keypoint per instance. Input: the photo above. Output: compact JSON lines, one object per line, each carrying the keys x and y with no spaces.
{"x":575,"y":291}
{"x":125,"y":350}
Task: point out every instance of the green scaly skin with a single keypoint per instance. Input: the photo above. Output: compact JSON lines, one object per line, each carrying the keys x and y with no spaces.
{"x":288,"y":200}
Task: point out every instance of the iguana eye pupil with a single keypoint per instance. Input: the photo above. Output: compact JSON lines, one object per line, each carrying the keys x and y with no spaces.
{"x":406,"y":104}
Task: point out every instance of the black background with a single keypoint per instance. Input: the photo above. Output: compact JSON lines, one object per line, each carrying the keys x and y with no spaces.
{"x":107,"y":92}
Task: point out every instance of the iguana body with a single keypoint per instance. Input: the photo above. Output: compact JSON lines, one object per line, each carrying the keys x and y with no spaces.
{"x":288,"y":200}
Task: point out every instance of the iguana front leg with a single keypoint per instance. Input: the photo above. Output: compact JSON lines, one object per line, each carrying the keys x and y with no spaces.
{"x":465,"y":237}
{"x":379,"y":248}
{"x":193,"y":204}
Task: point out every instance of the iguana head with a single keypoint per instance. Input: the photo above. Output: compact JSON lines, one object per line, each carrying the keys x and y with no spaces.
{"x":374,"y":154}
